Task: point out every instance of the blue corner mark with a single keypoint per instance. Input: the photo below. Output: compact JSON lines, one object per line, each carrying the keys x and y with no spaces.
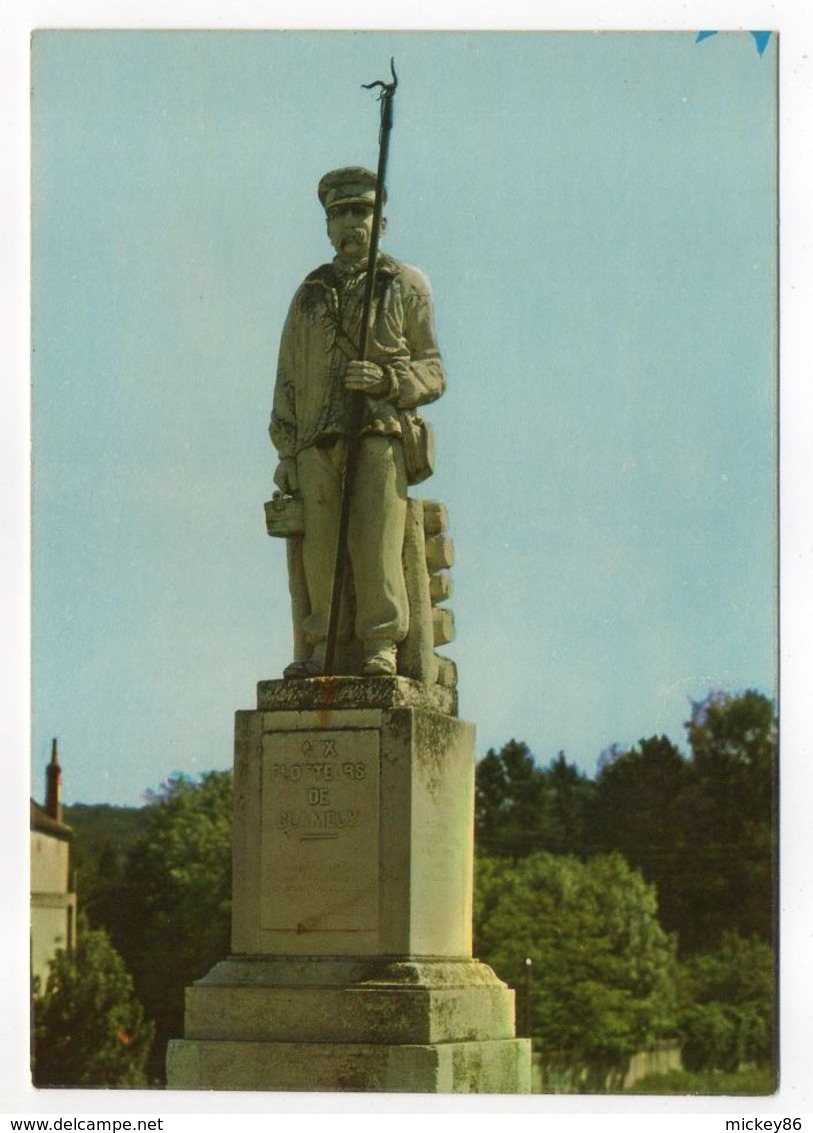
{"x":761,"y":38}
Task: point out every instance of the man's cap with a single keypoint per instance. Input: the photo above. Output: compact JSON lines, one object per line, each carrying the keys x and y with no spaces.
{"x":352,"y":185}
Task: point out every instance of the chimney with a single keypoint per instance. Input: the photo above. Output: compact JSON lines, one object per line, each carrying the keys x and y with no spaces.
{"x":53,"y":785}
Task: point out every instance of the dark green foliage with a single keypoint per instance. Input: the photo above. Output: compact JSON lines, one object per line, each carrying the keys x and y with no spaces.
{"x":637,"y":811}
{"x":570,"y":794}
{"x":89,"y":1029}
{"x":509,"y":801}
{"x":710,"y":1038}
{"x":602,"y":967}
{"x":173,"y":918}
{"x":702,"y":829}
{"x":522,"y":807}
{"x":729,"y":813}
{"x":728,"y":1005}
{"x":102,"y":837}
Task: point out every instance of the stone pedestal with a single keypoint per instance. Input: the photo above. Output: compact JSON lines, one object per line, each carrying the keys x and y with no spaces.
{"x":352,"y":901}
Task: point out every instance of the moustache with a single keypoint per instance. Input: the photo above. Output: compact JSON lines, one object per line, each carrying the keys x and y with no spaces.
{"x":355,"y":236}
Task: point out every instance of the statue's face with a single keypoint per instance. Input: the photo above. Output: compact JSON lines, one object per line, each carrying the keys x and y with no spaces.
{"x":350,"y":229}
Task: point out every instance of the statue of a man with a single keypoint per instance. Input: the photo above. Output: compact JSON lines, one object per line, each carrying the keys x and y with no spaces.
{"x":317,"y":375}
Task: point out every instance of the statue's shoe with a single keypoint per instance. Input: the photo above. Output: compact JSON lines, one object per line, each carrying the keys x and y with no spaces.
{"x":302,"y":670}
{"x":380,"y":661}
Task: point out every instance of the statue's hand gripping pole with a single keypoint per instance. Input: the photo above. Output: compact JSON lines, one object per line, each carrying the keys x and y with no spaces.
{"x":386,"y":97}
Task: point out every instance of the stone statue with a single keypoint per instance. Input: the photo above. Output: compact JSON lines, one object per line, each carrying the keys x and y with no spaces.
{"x":318,"y":374}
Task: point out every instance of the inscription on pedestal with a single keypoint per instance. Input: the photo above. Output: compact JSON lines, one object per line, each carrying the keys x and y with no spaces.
{"x":320,"y":831}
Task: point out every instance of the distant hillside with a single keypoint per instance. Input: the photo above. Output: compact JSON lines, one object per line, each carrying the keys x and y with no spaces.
{"x":102,"y":836}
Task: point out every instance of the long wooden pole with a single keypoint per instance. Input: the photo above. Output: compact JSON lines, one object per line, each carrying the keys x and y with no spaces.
{"x":357,"y":401}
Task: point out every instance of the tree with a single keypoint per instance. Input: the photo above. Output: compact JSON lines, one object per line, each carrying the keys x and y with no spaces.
{"x":703,"y":828}
{"x":89,"y":1028}
{"x":570,"y":794}
{"x":102,"y":836}
{"x":727,"y":1005}
{"x":522,"y":808}
{"x":602,"y":967}
{"x":509,"y":801}
{"x":729,"y":817}
{"x":175,"y":904}
{"x":635,"y":812}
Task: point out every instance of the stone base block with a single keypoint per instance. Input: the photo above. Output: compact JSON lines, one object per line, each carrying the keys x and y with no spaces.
{"x":352,"y":826}
{"x":319,"y":1023}
{"x":500,"y":1066}
{"x":403,"y":1002}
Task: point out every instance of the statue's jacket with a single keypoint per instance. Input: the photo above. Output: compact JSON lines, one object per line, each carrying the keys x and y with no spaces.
{"x":320,"y":336}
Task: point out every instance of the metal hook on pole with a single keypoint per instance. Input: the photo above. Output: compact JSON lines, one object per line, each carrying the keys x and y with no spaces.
{"x":385,"y":98}
{"x":385,"y":87}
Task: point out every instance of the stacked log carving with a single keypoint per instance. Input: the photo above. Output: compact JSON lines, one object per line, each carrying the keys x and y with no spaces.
{"x":428,"y":558}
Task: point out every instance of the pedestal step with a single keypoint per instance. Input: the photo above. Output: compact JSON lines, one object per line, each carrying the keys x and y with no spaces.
{"x":408,"y":1003}
{"x":501,"y":1066}
{"x":425,"y":1026}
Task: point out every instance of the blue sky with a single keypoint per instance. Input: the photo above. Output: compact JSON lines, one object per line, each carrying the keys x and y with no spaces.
{"x":597,"y":214}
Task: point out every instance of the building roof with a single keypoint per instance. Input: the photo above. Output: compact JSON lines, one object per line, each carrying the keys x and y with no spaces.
{"x":45,"y":824}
